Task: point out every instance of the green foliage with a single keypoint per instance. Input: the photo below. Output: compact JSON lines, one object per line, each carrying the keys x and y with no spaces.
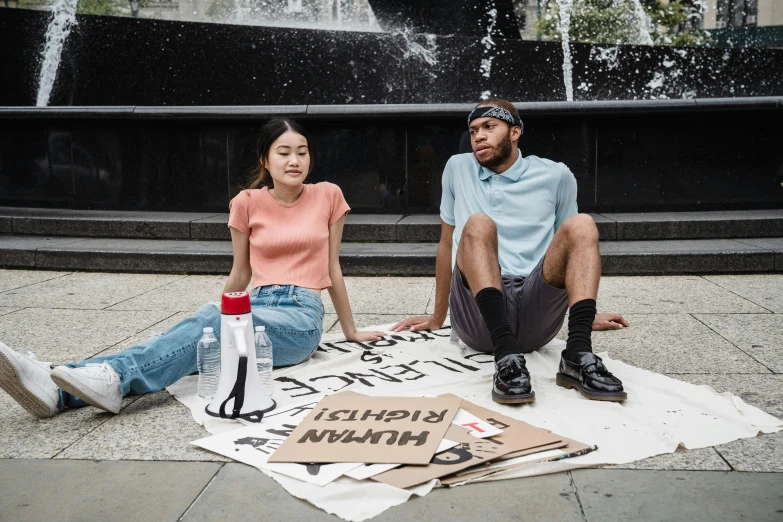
{"x":96,"y":7}
{"x":221,"y":9}
{"x":616,"y":22}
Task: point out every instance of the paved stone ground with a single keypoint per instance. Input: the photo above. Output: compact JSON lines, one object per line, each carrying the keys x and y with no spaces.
{"x":724,"y":331}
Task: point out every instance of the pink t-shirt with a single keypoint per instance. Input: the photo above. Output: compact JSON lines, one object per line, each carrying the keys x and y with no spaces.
{"x":289,"y":243}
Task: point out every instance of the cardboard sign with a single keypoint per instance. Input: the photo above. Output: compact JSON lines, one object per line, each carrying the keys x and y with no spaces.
{"x":348,"y":427}
{"x":468,"y":452}
{"x":477,"y":427}
{"x":573,"y":449}
{"x":255,"y":443}
{"x":370,"y":470}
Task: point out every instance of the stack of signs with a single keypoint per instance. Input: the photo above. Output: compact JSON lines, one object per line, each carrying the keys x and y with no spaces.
{"x":400,"y":441}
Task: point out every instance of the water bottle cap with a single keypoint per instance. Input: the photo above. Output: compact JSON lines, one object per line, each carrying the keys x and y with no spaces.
{"x":208,"y":329}
{"x":260,"y":328}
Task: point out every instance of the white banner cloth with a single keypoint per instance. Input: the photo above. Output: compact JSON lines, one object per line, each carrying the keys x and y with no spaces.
{"x":659,"y":415}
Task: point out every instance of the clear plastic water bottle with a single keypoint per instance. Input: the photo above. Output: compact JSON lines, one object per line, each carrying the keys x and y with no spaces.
{"x":264,"y":359}
{"x":208,"y":353}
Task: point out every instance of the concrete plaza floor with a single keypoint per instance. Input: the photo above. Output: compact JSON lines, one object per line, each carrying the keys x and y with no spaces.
{"x":724,"y":331}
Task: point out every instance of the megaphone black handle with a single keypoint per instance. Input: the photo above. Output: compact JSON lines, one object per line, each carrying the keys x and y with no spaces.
{"x":238,"y":391}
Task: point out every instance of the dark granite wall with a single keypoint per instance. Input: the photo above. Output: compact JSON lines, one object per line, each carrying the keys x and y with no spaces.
{"x":653,"y":162}
{"x":126,"y":61}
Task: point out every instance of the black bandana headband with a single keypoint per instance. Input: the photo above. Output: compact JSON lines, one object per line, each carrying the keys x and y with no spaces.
{"x":495,"y":112}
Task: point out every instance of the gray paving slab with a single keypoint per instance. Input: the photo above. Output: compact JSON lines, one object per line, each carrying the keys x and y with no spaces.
{"x":329,"y":321}
{"x":10,"y":279}
{"x":365,"y":320}
{"x":155,"y":427}
{"x":701,"y":225}
{"x":702,"y":459}
{"x":549,"y":497}
{"x":158,"y":328}
{"x":19,"y":251}
{"x":669,"y":294}
{"x":7,"y":310}
{"x":26,"y":437}
{"x":85,"y":291}
{"x":85,"y":490}
{"x":762,"y":454}
{"x":386,"y":295}
{"x":370,"y":227}
{"x":62,"y":336}
{"x":186,"y":294}
{"x":756,"y":334}
{"x":674,"y":343}
{"x":763,"y":289}
{"x":679,"y":495}
{"x":138,"y":255}
{"x":684,"y":257}
{"x":762,"y":391}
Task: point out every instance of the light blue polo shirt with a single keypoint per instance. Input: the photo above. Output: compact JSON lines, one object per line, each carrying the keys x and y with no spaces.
{"x":528,"y":203}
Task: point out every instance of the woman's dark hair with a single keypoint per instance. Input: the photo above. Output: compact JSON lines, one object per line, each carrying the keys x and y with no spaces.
{"x":272,"y":130}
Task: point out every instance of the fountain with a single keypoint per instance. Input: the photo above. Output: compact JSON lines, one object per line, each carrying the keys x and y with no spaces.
{"x":138,"y":107}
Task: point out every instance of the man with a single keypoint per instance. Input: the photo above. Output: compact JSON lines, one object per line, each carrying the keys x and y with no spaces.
{"x":513,"y":256}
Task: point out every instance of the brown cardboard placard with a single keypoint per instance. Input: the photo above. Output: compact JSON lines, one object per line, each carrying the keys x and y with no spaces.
{"x":470,"y":452}
{"x":350,"y":427}
{"x":573,"y":449}
{"x":514,"y":431}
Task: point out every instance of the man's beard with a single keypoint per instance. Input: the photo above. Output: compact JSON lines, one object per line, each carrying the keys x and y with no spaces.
{"x":504,"y":152}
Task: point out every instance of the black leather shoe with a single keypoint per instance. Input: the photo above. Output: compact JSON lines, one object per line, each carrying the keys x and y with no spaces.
{"x":591,"y":378}
{"x":512,"y":381}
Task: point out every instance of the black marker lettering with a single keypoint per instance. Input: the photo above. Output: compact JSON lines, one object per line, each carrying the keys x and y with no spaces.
{"x":378,"y":416}
{"x":299,"y":386}
{"x":320,"y":414}
{"x":434,"y":418}
{"x":420,"y":439}
{"x":396,"y":415}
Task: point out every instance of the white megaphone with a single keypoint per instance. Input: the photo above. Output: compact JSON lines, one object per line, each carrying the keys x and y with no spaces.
{"x":239,"y":390}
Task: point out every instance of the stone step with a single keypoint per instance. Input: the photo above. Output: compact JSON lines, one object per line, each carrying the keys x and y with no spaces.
{"x":377,"y":227}
{"x":376,"y":259}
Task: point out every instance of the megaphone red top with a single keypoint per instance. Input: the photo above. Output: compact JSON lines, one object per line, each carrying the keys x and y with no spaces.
{"x":235,"y":303}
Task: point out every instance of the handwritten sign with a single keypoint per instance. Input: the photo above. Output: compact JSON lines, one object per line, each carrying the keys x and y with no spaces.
{"x":254,"y":444}
{"x":349,"y":427}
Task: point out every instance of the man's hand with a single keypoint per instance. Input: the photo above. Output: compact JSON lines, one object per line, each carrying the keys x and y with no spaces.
{"x":609,"y":321}
{"x":418,"y":322}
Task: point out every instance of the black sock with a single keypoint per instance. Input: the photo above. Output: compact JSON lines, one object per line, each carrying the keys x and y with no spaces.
{"x":492,"y":306}
{"x":580,"y":327}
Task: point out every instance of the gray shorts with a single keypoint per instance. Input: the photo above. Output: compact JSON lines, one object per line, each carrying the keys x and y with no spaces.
{"x":535,"y":311}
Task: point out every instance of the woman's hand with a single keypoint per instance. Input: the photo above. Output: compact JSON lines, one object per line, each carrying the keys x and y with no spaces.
{"x":609,"y":321}
{"x":365,"y":336}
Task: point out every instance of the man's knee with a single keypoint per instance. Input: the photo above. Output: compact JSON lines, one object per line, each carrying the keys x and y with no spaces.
{"x":479,"y":227}
{"x":580,"y":229}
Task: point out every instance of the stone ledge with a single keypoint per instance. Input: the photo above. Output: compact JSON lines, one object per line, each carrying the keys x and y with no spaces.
{"x":405,"y":259}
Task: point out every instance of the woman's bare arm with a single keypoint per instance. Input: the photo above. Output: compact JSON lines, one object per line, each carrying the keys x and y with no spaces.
{"x":337,"y":291}
{"x":240,"y":274}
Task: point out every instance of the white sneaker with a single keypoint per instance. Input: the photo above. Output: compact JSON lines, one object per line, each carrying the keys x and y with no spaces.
{"x":28,"y":381}
{"x":97,"y":384}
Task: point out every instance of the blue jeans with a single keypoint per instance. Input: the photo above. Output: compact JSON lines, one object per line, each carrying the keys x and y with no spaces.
{"x":293,"y":318}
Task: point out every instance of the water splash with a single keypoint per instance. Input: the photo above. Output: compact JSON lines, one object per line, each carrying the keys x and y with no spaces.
{"x":564,"y":25}
{"x":426,"y":52}
{"x":489,"y":44}
{"x":63,"y":18}
{"x":645,"y":24}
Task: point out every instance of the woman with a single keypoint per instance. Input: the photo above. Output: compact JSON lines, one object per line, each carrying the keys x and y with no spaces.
{"x":286,"y":240}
